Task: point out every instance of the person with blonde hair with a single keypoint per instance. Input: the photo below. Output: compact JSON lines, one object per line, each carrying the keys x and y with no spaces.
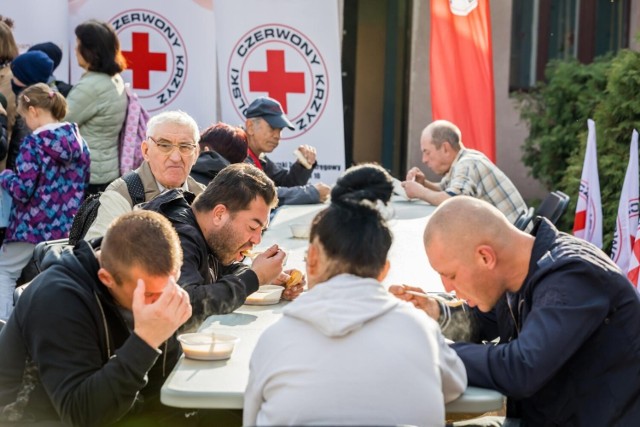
{"x":47,"y":187}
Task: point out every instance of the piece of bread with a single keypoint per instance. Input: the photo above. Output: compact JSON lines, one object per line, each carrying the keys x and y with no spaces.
{"x":294,"y":279}
{"x":302,"y":159}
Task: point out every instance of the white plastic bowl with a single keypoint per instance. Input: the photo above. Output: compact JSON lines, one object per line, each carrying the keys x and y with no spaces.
{"x":265,"y":295}
{"x":300,"y":231}
{"x":207,"y":346}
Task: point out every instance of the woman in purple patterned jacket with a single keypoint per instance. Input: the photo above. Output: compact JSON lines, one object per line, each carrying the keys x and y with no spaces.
{"x":47,"y":187}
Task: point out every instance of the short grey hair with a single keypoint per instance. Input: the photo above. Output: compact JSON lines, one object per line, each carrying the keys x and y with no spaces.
{"x":443,"y":130}
{"x":256,"y":120}
{"x":177,"y":117}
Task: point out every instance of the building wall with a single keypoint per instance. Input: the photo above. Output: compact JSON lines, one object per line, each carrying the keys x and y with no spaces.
{"x":419,"y":97}
{"x":510,"y":132}
{"x":369,"y":87}
{"x":634,"y":27}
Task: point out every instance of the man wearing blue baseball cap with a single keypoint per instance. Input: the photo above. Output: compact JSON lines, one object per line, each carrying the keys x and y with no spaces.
{"x":265,"y":121}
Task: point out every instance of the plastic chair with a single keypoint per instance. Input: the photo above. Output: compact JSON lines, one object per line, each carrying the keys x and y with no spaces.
{"x":524,"y":219}
{"x":553,"y":206}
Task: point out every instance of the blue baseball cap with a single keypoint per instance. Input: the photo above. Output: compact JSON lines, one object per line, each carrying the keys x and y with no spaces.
{"x":270,"y":110}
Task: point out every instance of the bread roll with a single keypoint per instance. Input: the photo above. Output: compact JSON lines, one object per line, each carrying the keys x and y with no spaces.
{"x":294,"y":279}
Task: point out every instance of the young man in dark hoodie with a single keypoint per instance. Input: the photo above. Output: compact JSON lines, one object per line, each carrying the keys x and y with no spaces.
{"x":92,"y":339}
{"x":568,"y":319}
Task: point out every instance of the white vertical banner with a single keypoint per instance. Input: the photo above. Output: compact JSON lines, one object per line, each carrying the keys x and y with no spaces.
{"x":170,"y":48}
{"x":288,"y":50}
{"x":627,"y":220}
{"x":588,"y":220}
{"x":36,"y":22}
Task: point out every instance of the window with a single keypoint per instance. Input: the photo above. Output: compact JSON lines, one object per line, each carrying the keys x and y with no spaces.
{"x":543,"y":30}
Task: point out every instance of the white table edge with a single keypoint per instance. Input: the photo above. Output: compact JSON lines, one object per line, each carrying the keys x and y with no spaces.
{"x":474,"y":400}
{"x":195,"y":400}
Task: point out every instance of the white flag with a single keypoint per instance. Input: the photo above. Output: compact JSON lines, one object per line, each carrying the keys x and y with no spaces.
{"x":588,"y":220}
{"x":627,"y":221}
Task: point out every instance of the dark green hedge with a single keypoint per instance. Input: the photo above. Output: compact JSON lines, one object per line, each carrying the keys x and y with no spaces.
{"x":608,"y":91}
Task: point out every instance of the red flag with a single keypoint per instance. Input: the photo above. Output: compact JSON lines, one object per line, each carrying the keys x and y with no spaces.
{"x":588,"y":220}
{"x":462,"y":70}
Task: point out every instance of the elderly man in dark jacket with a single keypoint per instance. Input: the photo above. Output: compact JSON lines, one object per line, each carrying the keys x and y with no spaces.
{"x":265,"y":121}
{"x":216,"y":230}
{"x":568,"y":319}
{"x":92,"y":338}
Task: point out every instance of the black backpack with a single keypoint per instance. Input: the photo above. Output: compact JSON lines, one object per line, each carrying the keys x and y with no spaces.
{"x":83,"y":220}
{"x":88,"y":211}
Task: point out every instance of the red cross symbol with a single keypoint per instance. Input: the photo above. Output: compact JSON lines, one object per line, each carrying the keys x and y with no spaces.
{"x":141,"y":62}
{"x":276,"y":81}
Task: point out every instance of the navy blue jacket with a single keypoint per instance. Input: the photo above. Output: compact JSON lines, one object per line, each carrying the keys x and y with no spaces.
{"x":291,"y":184}
{"x":571,"y":352}
{"x":208,"y":165}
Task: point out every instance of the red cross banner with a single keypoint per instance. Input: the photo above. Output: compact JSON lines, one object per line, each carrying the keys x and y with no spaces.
{"x":170,"y":49}
{"x":288,"y":50}
{"x":462,"y":70}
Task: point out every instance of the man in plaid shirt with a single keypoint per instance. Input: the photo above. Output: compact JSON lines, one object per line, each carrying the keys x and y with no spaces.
{"x":465,"y":171}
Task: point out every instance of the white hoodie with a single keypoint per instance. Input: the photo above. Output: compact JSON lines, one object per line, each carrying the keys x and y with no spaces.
{"x":348,"y":352}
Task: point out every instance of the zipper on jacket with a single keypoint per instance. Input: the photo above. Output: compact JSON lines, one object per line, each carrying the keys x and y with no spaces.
{"x":104,"y":322}
{"x":515,"y":322}
{"x":164,"y":359}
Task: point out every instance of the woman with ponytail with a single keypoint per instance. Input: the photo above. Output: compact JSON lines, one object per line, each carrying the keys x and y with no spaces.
{"x":347,"y":351}
{"x":47,"y":186}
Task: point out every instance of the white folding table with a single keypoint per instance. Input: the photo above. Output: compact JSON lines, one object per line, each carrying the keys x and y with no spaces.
{"x":221,"y":384}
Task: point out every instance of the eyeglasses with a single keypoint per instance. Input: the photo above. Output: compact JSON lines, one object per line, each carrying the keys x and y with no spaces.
{"x":167,"y":148}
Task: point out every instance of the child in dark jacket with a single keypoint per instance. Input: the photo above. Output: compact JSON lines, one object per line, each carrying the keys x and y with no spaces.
{"x":47,"y":186}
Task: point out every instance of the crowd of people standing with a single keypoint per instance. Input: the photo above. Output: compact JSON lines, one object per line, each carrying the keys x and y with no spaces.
{"x":93,"y":112}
